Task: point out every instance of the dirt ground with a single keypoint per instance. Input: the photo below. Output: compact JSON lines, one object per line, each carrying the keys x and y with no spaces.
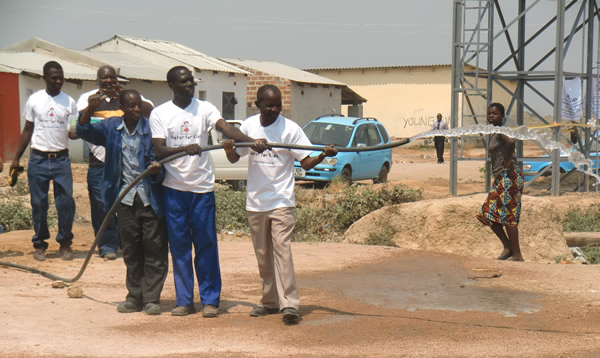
{"x":356,"y":300}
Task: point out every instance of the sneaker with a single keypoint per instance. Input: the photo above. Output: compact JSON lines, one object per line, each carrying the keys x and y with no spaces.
{"x":263,"y":311}
{"x":110,"y":256}
{"x":66,"y":254}
{"x":183,"y":310}
{"x":152,"y":309}
{"x":40,"y":254}
{"x":128,"y":307}
{"x":290,"y":315}
{"x":209,"y":311}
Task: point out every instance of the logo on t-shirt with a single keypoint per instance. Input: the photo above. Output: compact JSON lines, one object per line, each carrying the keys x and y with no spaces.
{"x":51,"y":114}
{"x":185,"y":127}
{"x":54,"y":119}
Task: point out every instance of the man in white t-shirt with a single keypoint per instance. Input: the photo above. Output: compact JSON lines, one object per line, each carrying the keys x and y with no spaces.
{"x":109,"y":88}
{"x":47,"y":115}
{"x":271,"y":202}
{"x":182,"y":124}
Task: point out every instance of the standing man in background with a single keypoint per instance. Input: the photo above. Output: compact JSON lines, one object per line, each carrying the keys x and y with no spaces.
{"x":47,"y":127}
{"x":439,"y":125}
{"x":110,"y":107}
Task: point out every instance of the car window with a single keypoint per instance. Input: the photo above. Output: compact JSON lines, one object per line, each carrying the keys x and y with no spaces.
{"x":361,"y":136}
{"x":384,"y":134}
{"x":373,"y":135}
{"x":328,"y":133}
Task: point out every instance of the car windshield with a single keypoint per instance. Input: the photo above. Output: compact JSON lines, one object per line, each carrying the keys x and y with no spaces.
{"x":328,"y":133}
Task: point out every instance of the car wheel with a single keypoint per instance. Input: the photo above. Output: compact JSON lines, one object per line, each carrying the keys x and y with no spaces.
{"x":237,"y":185}
{"x":382,"y":177}
{"x":346,"y":175}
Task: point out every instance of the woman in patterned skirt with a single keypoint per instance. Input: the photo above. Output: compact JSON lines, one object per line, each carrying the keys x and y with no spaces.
{"x":502,"y":207}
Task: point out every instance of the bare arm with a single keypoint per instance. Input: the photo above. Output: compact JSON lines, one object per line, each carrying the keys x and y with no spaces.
{"x":309,"y":162}
{"x":229,"y":147}
{"x":236,"y":134}
{"x":23,"y":143}
{"x":162,"y":151}
{"x":510,"y":150}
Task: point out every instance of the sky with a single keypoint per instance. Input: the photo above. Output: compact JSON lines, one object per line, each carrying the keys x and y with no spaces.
{"x":302,"y":34}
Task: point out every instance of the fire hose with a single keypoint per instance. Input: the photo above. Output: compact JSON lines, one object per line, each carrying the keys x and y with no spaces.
{"x":113,"y":208}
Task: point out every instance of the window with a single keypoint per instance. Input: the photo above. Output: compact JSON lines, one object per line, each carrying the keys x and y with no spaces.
{"x":229,"y":103}
{"x":373,"y":134}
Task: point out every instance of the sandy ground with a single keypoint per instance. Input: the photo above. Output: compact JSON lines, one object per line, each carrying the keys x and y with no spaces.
{"x":357,"y":300}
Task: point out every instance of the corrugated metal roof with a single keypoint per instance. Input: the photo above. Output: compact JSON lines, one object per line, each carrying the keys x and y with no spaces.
{"x":178,"y":52}
{"x":283,"y":71}
{"x":133,"y":67}
{"x":34,"y":62}
{"x":374,"y":67}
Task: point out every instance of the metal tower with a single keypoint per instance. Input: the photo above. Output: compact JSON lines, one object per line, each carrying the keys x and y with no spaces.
{"x":524,"y":50}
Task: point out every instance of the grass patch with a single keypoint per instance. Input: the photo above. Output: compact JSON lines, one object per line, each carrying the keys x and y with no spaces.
{"x":582,"y":220}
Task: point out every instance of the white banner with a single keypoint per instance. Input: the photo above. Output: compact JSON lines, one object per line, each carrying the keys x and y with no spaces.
{"x":595,"y":98}
{"x":572,"y":101}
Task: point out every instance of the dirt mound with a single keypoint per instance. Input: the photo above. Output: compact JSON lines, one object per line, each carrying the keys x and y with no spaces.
{"x":449,"y":226}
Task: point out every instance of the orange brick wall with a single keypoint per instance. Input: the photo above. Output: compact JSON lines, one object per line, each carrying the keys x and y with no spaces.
{"x":258,"y":79}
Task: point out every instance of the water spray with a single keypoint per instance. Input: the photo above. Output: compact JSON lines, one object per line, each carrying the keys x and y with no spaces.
{"x":544,"y":138}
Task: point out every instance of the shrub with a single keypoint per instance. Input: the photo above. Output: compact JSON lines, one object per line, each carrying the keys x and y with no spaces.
{"x":354,"y":203}
{"x":582,"y":220}
{"x":231,"y":209}
{"x":14,"y":215}
{"x":326,"y":217}
{"x":592,"y":254}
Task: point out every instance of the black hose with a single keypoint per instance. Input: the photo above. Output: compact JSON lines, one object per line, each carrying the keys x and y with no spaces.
{"x":113,"y":208}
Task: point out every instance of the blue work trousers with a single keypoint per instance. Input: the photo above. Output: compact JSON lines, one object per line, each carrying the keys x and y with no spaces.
{"x":191,"y":222}
{"x":40,"y":171}
{"x":109,"y":242}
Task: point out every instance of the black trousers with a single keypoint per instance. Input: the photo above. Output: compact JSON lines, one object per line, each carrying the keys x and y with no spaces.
{"x":439,"y":147}
{"x":145,"y":251}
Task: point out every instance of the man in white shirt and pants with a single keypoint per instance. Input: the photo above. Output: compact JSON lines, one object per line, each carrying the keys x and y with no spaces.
{"x":47,"y":127}
{"x":270,"y":200}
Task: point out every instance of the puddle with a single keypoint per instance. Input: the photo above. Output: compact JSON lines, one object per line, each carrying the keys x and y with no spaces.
{"x":418,"y":283}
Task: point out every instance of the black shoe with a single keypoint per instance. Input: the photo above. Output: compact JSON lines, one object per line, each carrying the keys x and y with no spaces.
{"x":290,"y":315}
{"x":128,"y":307}
{"x":263,"y":311}
{"x":152,"y":309}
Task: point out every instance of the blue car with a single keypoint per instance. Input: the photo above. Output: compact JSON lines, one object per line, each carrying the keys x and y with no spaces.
{"x":532,"y":168}
{"x":348,"y":132}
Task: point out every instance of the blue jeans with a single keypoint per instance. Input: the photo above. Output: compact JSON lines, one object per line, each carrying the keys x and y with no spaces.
{"x":40,"y":171}
{"x":191,"y":222}
{"x":109,"y":242}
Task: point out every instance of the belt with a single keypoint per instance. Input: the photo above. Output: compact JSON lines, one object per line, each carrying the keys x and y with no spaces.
{"x":51,"y":155}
